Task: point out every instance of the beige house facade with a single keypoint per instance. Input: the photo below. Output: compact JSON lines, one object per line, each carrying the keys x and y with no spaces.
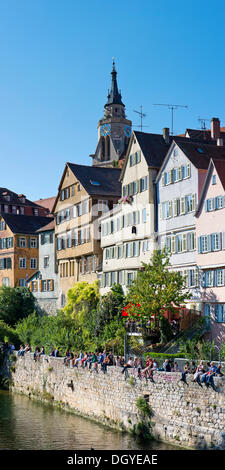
{"x":84,"y":194}
{"x":128,"y":236}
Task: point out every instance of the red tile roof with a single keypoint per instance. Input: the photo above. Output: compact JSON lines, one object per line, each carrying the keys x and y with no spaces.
{"x":48,"y":203}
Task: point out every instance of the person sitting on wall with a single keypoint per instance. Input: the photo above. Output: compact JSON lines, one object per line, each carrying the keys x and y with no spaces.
{"x":21,"y":351}
{"x":128,"y":365}
{"x":94,"y":361}
{"x":176,"y":367}
{"x":37,"y":353}
{"x":67,"y":357}
{"x":52,"y":353}
{"x":42,"y":350}
{"x":200,"y":369}
{"x":147,"y":372}
{"x":186,"y":370}
{"x":207,"y":377}
{"x":167,"y":366}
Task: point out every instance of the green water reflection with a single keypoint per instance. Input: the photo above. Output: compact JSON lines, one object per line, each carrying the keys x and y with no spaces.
{"x":29,"y":425}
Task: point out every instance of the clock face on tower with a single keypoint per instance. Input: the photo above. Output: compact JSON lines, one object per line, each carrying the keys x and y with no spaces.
{"x":127,"y":131}
{"x":105,"y":129}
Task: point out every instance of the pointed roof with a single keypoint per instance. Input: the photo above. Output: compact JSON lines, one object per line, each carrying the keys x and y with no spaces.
{"x":114,"y":97}
{"x":219,"y":165}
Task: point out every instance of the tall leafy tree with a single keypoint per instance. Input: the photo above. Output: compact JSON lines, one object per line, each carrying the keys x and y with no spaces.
{"x":16,"y":303}
{"x":157,"y":289}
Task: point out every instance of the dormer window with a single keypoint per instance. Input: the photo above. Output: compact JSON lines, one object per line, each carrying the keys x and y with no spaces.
{"x":95,"y":183}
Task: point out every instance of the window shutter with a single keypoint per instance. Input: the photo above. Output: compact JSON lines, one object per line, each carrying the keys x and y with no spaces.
{"x":196,"y":278}
{"x":182,"y":205}
{"x":199,"y":244}
{"x":170,"y":208}
{"x":194,"y":241}
{"x":51,"y":284}
{"x":175,"y":207}
{"x":189,"y":170}
{"x":163,"y":179}
{"x":171,"y":176}
{"x":193,"y":202}
{"x":40,"y":285}
{"x":206,"y":205}
{"x":173,"y":245}
{"x":179,"y":173}
{"x":184,"y":242}
{"x":216,"y":312}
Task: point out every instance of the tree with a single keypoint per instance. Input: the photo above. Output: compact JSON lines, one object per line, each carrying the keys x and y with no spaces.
{"x":157,"y":289}
{"x":16,"y":303}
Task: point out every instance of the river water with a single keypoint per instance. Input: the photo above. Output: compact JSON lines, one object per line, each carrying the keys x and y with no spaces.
{"x":29,"y":425}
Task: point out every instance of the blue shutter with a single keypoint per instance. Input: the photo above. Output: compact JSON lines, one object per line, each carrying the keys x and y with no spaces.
{"x":203,"y":280}
{"x":216,"y":312}
{"x":200,"y":244}
{"x":210,"y":243}
{"x":206,"y":205}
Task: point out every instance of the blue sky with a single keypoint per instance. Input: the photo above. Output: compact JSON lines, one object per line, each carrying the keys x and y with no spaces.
{"x":55,"y":62}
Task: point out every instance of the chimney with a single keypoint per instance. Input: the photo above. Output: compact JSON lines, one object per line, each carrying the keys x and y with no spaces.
{"x":166,"y":135}
{"x":215,"y":128}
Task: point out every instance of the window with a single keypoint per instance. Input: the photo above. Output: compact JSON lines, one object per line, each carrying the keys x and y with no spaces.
{"x":204,"y":244}
{"x":5,"y":281}
{"x":79,"y":209}
{"x":220,"y":202}
{"x":191,"y":241}
{"x":179,"y":244}
{"x":146,"y":245}
{"x":35,"y":212}
{"x":175,"y":175}
{"x":23,"y":283}
{"x":144,"y":215}
{"x":200,"y":150}
{"x":2,"y":225}
{"x":135,"y":158}
{"x":209,"y":278}
{"x":33,"y":242}
{"x":210,"y":204}
{"x":22,"y":242}
{"x":120,"y":251}
{"x":22,"y":263}
{"x":213,"y":179}
{"x":220,"y":277}
{"x":216,"y":241}
{"x":143,"y":183}
{"x":130,"y":278}
{"x":46,"y":261}
{"x":219,"y":312}
{"x":86,"y":207}
{"x":128,"y":250}
{"x":21,"y":209}
{"x":33,"y":263}
{"x":14,"y":211}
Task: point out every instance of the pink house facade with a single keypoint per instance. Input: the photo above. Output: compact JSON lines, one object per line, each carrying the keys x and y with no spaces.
{"x":210,"y":234}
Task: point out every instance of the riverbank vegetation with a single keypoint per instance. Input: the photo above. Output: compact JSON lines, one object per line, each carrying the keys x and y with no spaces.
{"x":89,"y":322}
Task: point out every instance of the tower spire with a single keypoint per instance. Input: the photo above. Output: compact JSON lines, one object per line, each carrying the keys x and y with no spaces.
{"x":114,"y":97}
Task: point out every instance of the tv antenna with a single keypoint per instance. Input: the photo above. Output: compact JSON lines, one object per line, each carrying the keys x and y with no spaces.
{"x":203,"y":121}
{"x":172,"y":107}
{"x":142,"y":115}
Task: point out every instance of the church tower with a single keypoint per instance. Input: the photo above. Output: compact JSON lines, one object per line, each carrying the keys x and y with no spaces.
{"x":114,"y":129}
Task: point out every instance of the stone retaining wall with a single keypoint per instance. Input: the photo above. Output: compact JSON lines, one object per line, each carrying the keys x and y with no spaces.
{"x":185,"y":415}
